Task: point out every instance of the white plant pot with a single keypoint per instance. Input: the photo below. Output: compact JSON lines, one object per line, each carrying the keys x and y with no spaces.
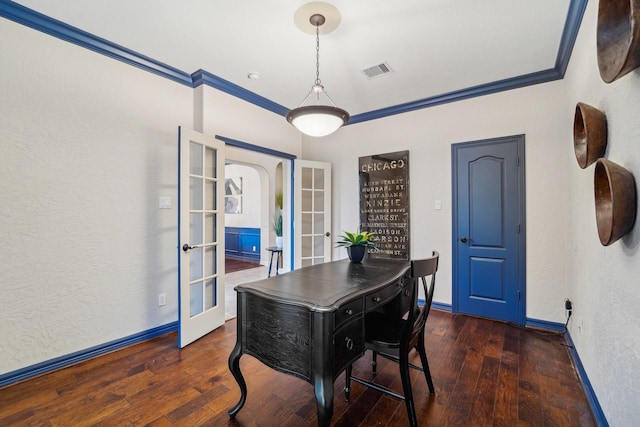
{"x":279,"y":240}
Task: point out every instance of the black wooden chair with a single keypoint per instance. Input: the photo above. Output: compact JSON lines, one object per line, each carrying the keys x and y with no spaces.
{"x":393,"y":337}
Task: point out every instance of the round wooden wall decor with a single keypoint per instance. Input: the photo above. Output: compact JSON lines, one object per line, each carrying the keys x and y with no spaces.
{"x":616,"y":201}
{"x":589,"y":134}
{"x":618,"y":38}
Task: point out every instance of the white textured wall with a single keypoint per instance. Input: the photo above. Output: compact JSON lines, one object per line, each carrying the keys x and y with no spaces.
{"x":251,"y":197}
{"x":605,"y":281}
{"x":87,"y":146}
{"x":537,"y":112}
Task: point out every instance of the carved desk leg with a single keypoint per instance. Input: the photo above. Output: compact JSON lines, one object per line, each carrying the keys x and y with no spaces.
{"x":234,"y":359}
{"x":323,"y":367}
{"x":234,"y":367}
{"x":324,"y":399}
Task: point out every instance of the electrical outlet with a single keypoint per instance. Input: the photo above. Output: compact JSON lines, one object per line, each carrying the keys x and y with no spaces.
{"x":568,"y":311}
{"x":162,"y":300}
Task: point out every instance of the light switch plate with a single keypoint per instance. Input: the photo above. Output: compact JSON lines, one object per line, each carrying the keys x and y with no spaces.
{"x":165,"y":202}
{"x":438,"y":205}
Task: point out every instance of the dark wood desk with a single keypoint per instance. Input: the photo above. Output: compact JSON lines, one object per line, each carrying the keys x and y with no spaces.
{"x":310,"y":322}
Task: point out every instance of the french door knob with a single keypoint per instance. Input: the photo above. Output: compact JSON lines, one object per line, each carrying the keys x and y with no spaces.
{"x":464,"y":239}
{"x":186,"y":247}
{"x":327,"y":234}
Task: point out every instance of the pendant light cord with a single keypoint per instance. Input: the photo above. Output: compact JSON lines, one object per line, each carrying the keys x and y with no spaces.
{"x":317,"y":88}
{"x":318,"y":82}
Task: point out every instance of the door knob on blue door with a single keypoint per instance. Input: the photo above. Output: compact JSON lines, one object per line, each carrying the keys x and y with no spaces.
{"x":464,"y":239}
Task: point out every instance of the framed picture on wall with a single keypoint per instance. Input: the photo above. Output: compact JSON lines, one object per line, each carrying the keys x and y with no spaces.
{"x":233,"y":195}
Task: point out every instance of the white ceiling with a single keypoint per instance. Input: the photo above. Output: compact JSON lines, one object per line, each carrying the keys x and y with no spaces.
{"x":433,"y":46}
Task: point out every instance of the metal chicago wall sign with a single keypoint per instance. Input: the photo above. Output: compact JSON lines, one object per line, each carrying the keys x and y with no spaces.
{"x":384,"y":202}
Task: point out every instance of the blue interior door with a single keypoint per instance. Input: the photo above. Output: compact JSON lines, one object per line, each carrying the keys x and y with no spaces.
{"x":488,"y":232}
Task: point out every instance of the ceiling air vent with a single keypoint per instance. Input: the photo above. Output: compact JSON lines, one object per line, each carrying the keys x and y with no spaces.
{"x":377,"y":70}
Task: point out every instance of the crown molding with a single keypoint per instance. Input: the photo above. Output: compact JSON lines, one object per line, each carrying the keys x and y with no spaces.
{"x":201,"y":77}
{"x":53,"y":27}
{"x":40,"y":22}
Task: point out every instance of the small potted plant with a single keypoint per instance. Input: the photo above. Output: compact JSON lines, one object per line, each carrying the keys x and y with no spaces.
{"x":277,"y":229}
{"x":277,"y":219}
{"x":357,"y":244}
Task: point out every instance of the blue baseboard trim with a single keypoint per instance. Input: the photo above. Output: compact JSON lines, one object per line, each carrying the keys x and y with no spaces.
{"x":596,"y":409}
{"x":82,"y":355}
{"x":438,"y":306}
{"x":544,"y":324}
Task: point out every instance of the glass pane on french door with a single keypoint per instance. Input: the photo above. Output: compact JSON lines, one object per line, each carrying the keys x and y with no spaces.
{"x":202,"y":225}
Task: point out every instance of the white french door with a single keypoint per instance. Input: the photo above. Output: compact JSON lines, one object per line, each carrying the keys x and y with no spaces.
{"x":312,"y":213}
{"x":201,"y":235}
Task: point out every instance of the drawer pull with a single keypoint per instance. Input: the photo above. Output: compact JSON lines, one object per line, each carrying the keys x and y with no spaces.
{"x":376,"y":299}
{"x":348,"y":312}
{"x":349,"y":343}
{"x":406,"y":292}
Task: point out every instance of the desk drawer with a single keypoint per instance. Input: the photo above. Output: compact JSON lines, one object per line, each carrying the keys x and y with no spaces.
{"x":280,"y":335}
{"x":382,"y":296}
{"x":348,"y":344}
{"x":347,"y":312}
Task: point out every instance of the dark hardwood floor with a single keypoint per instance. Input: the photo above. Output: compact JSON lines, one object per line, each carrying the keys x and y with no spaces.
{"x":486,"y":374}
{"x":233,"y":265}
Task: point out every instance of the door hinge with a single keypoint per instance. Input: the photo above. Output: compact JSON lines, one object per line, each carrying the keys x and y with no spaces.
{"x":518,"y":295}
{"x":518,"y":228}
{"x":517,"y":161}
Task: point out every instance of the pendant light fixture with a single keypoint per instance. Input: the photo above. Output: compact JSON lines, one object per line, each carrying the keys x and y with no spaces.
{"x":317,"y":119}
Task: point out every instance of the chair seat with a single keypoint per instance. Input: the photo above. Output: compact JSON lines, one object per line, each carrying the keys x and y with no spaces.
{"x":382,"y":331}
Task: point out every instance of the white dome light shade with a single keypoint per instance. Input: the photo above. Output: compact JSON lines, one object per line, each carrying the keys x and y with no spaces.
{"x":317,"y":120}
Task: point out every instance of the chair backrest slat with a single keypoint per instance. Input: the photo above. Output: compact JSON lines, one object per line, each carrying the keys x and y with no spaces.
{"x":423,"y":273}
